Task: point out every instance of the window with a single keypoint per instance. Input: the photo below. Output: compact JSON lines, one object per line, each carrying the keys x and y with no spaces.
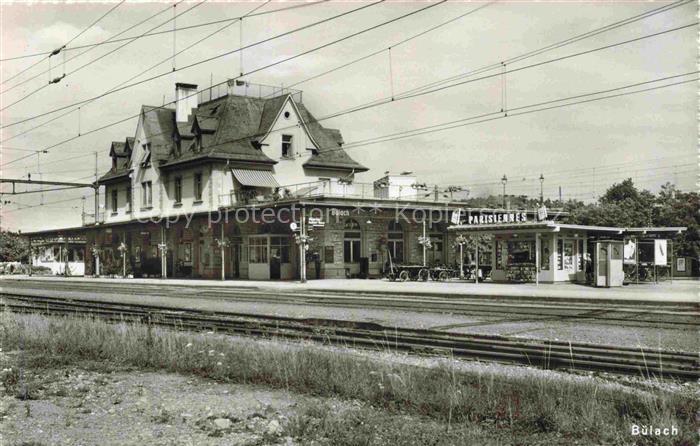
{"x":114,"y":163}
{"x":287,"y":149}
{"x":435,"y":253}
{"x":395,"y":242}
{"x":351,"y":242}
{"x":569,"y":255}
{"x":115,"y":201}
{"x":146,"y":160}
{"x":128,"y":198}
{"x":178,"y":190}
{"x":279,"y":246}
{"x":500,"y":246}
{"x":520,"y":252}
{"x":257,"y":250}
{"x":544,"y":255}
{"x":147,"y":194}
{"x":198,"y":187}
{"x":560,"y":254}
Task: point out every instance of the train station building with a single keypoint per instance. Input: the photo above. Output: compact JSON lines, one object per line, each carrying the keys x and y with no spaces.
{"x":242,"y":182}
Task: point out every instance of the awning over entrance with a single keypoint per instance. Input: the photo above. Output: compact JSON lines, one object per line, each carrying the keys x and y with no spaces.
{"x":256,"y":178}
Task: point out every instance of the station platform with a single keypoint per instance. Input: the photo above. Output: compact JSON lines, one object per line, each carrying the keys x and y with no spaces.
{"x":676,"y":292}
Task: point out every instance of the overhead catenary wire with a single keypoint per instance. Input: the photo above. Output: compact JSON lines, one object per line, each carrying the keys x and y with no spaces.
{"x":123,"y":120}
{"x":235,"y":51}
{"x":63,"y":47}
{"x":157,"y":33}
{"x":374,"y":104}
{"x":109,"y":39}
{"x":560,"y":44}
{"x":377,"y":103}
{"x":94,"y":60}
{"x":403,"y":96}
{"x":230,"y":52}
{"x":157,"y":64}
{"x":522,"y":110}
{"x":394,"y":45}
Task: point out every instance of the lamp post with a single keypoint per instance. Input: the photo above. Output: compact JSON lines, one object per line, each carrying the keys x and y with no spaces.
{"x":461,"y":240}
{"x":122,"y":248}
{"x":504,"y":180}
{"x":541,"y":189}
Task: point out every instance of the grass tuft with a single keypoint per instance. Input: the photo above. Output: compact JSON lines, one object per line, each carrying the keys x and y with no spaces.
{"x":583,"y":410}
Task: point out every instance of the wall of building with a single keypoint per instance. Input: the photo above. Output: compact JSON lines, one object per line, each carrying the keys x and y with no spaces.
{"x":123,"y":211}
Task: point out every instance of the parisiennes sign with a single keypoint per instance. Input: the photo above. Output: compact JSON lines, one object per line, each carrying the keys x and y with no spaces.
{"x":487,"y":219}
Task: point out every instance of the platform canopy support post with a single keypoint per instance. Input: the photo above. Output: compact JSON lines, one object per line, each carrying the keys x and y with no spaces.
{"x":424,"y":244}
{"x":636,"y":259}
{"x":222,"y":247}
{"x":163,"y":252}
{"x":31,"y":257}
{"x":670,"y":251}
{"x":476,"y":260}
{"x":538,"y":249}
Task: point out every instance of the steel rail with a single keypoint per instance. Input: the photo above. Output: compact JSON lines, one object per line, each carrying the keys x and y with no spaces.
{"x":546,"y":354}
{"x":542,"y":311}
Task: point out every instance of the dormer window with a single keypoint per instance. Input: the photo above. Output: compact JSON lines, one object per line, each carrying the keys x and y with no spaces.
{"x":146,"y":160}
{"x":287,"y":146}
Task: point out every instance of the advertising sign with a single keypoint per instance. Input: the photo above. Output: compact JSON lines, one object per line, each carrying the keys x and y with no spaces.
{"x":660,"y":252}
{"x":456,"y":217}
{"x":487,"y":219}
{"x":680,"y":264}
{"x":630,"y":252}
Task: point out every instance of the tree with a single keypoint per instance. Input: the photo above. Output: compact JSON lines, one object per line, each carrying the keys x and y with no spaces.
{"x":13,"y":247}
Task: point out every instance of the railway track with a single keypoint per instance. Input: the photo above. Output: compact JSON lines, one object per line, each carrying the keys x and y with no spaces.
{"x":659,"y":316}
{"x":545,"y":354}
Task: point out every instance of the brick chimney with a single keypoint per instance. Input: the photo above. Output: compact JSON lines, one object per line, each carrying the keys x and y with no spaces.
{"x":186,"y":97}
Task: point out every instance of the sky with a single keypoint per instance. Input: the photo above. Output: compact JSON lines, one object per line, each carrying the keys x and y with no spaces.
{"x":580,"y":150}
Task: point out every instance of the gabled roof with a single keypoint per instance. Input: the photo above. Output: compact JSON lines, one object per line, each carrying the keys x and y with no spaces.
{"x":159,"y":128}
{"x":122,"y":151}
{"x":118,"y":149}
{"x":330,"y":153}
{"x":230,"y":128}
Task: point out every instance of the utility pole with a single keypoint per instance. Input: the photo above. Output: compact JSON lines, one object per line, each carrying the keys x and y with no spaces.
{"x":41,"y":177}
{"x":97,"y":193}
{"x":223,"y":243}
{"x":163,"y":251}
{"x":560,"y":194}
{"x":31,"y":256}
{"x":504,"y":180}
{"x":425,"y":242}
{"x":541,"y":189}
